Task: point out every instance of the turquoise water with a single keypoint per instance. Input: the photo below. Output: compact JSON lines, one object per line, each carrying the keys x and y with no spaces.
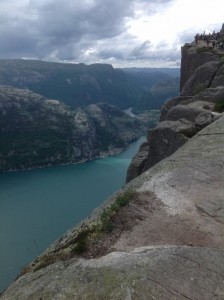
{"x":38,"y":206}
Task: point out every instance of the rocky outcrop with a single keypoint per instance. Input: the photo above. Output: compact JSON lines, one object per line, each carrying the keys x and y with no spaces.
{"x":202,"y":87}
{"x":159,"y":145}
{"x":192,"y":59}
{"x":201,"y":79}
{"x":178,"y":202}
{"x":183,"y":111}
{"x":169,"y":104}
{"x":38,"y":132}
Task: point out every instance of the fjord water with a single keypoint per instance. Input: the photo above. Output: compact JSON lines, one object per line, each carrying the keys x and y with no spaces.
{"x":38,"y":206}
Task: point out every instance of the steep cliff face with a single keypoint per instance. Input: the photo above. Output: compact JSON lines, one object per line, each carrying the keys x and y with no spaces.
{"x":201,"y":93}
{"x":192,"y":59}
{"x":37,"y":132}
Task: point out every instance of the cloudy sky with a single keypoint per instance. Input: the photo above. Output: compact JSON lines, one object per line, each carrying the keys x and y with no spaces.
{"x":125,"y":33}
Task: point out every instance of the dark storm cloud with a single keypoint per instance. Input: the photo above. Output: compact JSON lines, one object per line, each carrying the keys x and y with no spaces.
{"x":58,"y":24}
{"x":75,"y":19}
{"x":66,"y":30}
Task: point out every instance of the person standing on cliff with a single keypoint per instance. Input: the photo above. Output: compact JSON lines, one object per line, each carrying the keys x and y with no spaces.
{"x":196,"y":38}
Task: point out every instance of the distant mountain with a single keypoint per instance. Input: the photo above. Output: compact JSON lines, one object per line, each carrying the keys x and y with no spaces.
{"x":158,"y":85}
{"x":74,"y":84}
{"x":157,"y":95}
{"x":79,"y":85}
{"x":37,"y":132}
{"x":173,"y":72}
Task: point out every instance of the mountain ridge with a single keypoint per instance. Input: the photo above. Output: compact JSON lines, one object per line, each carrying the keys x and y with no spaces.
{"x":79,"y":84}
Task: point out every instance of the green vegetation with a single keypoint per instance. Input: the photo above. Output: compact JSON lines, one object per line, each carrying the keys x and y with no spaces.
{"x":105,"y":224}
{"x":82,"y":237}
{"x":219,"y":106}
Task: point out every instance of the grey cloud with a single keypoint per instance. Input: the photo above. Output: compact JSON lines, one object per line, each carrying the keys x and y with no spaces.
{"x":58,"y":24}
{"x":65,"y":30}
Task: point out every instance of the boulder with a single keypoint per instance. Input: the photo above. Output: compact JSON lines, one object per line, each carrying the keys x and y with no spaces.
{"x":183,"y":111}
{"x":203,"y":120}
{"x":205,"y":105}
{"x":171,"y":103}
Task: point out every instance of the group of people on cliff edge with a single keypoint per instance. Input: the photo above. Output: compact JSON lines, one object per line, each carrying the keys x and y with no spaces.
{"x":215,"y":39}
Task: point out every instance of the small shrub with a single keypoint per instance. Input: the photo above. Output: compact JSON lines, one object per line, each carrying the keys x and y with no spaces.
{"x":106,"y":220}
{"x":105,"y":223}
{"x":108,"y":214}
{"x":219,"y":106}
{"x":108,"y":226}
{"x":125,"y":198}
{"x":81,"y":245}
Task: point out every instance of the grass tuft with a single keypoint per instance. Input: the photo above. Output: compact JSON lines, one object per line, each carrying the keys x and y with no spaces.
{"x":105,"y":222}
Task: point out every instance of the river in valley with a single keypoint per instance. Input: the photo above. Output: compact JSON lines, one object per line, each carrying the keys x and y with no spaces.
{"x":38,"y":206}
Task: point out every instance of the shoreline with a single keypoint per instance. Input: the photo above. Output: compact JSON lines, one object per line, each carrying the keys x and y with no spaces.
{"x":112,"y":152}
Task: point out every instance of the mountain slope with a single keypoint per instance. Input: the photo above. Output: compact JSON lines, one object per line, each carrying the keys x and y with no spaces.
{"x":36,"y":131}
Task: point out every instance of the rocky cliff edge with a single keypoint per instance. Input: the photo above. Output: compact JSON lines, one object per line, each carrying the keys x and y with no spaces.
{"x":200,"y":101}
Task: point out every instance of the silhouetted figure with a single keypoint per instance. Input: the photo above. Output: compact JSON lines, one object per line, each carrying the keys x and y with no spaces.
{"x":196,"y":38}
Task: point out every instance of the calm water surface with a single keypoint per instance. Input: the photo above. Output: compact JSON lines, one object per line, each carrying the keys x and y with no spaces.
{"x":38,"y":206}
